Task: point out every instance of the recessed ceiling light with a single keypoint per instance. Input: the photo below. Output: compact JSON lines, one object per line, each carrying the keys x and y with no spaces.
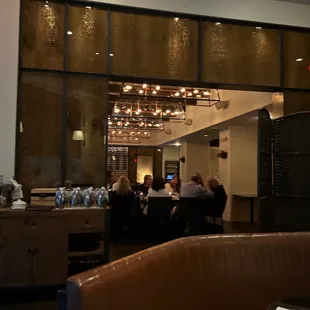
{"x":206,"y":135}
{"x":111,"y":54}
{"x":144,"y":86}
{"x":217,"y":24}
{"x":299,"y":59}
{"x":206,"y":93}
{"x":258,"y":28}
{"x":176,"y":19}
{"x":129,"y":87}
{"x":97,"y":54}
{"x":88,"y":7}
{"x":177,"y":144}
{"x":69,"y":33}
{"x":183,"y":90}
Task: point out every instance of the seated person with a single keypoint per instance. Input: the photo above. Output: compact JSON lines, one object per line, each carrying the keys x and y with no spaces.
{"x":121,"y":202}
{"x":174,"y":187}
{"x":194,"y":189}
{"x":157,"y":190}
{"x":144,"y":188}
{"x":110,"y":181}
{"x":213,"y":184}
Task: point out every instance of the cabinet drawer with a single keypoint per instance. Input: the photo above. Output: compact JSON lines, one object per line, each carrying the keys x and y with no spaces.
{"x":44,"y":224}
{"x":86,"y":222}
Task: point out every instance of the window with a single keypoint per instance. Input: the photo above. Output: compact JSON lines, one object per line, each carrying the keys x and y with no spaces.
{"x":87,"y":40}
{"x":43,"y":35}
{"x":297,"y":59}
{"x":154,"y":46}
{"x":86,"y":114}
{"x":241,"y":54}
{"x":40,"y":130}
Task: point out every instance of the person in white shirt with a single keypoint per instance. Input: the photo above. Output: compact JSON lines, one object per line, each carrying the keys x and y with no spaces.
{"x":157,"y":190}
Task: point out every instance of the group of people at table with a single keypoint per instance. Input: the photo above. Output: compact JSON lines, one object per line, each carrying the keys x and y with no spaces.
{"x":123,"y":196}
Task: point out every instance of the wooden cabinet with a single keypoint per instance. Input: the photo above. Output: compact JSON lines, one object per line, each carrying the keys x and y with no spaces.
{"x":34,"y":249}
{"x":50,"y":259}
{"x":16,"y":260}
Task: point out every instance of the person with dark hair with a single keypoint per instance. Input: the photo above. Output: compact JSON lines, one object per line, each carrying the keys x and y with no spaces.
{"x":145,"y":186}
{"x":157,"y":190}
{"x":110,"y":180}
{"x":195,"y":189}
{"x":174,"y":187}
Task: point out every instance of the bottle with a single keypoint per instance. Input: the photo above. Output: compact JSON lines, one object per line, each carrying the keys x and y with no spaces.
{"x":75,"y":198}
{"x":61,"y":199}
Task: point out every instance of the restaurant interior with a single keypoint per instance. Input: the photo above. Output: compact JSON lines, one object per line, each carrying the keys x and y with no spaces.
{"x":108,"y":91}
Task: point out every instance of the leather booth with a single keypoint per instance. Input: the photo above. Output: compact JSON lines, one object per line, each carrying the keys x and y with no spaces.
{"x":238,"y":272}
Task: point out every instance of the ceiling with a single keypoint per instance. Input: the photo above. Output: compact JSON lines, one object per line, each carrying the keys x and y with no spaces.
{"x":204,"y":136}
{"x":296,"y":1}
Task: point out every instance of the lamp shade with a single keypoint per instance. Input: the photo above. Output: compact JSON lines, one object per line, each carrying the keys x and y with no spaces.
{"x":78,"y":135}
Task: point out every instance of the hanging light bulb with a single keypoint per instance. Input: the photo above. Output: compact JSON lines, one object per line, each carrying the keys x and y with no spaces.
{"x":177,"y":94}
{"x":144,"y":86}
{"x":196,"y":91}
{"x":183,"y":90}
{"x":141,"y":91}
{"x":154,"y":92}
{"x":157,"y":87}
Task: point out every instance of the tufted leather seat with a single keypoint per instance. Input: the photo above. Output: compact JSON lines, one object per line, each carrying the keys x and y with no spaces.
{"x":206,"y":272}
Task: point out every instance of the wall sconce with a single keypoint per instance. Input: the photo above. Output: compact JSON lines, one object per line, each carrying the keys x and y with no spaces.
{"x":78,"y":135}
